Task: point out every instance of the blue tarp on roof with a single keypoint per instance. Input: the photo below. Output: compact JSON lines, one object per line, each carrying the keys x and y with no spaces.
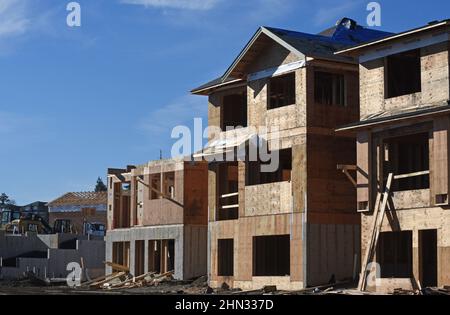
{"x":344,"y":34}
{"x":348,"y":32}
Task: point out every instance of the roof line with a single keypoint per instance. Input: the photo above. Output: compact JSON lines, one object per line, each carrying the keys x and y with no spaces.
{"x":399,"y":35}
{"x":395,"y":118}
{"x":282,"y":42}
{"x":196,"y":91}
{"x":242,"y":53}
{"x":261,"y":30}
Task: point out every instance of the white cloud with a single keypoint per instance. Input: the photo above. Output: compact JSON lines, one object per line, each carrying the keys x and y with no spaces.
{"x":181,"y":111}
{"x":13,"y":18}
{"x":201,"y":5}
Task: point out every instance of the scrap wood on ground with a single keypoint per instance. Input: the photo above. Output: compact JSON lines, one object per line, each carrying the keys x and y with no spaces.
{"x":122,"y":279}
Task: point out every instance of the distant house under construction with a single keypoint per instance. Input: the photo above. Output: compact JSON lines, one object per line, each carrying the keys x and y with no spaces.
{"x":80,"y":208}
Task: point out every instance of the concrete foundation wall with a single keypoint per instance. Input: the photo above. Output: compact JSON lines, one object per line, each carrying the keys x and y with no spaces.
{"x":11,"y":245}
{"x":333,"y":250}
{"x":190,"y":247}
{"x":195,"y":251}
{"x":55,"y":265}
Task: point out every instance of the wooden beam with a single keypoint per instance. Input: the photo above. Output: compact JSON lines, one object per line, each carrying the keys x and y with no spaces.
{"x":108,"y":279}
{"x":416,"y":174}
{"x":347,"y":167}
{"x":230,"y":207}
{"x":230,"y":195}
{"x":159,"y":193}
{"x":117,"y":266}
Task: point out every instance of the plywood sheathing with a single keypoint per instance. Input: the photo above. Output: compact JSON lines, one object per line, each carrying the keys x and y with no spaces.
{"x":213,"y":192}
{"x":162,"y":211}
{"x":243,"y":230}
{"x":416,"y":220}
{"x":435,"y":83}
{"x":331,"y":251}
{"x":277,"y":199}
{"x":184,"y":221}
{"x":328,"y":189}
{"x":440,"y":171}
{"x":274,"y":55}
{"x":268,"y":209}
{"x":195,"y":194}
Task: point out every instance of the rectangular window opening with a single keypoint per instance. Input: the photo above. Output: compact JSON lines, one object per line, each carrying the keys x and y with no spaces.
{"x":155,"y":182}
{"x":282,"y":91}
{"x":254,"y":175}
{"x":139,"y":258}
{"x":234,"y":111}
{"x":407,"y":155}
{"x":271,"y":256}
{"x":161,"y":256}
{"x":394,"y":254}
{"x":329,"y":88}
{"x":228,"y":199}
{"x":225,"y":258}
{"x":121,"y":207}
{"x":403,"y":74}
{"x":121,"y":254}
{"x":169,"y":184}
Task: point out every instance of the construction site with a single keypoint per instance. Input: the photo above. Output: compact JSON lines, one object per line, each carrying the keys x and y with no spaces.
{"x":358,"y":203}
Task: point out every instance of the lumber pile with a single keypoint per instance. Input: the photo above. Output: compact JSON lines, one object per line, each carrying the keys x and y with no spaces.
{"x":400,"y":291}
{"x":145,"y":280}
{"x":122,"y":279}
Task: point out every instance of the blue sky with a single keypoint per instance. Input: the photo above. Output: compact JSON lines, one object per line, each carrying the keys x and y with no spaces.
{"x":75,"y":101}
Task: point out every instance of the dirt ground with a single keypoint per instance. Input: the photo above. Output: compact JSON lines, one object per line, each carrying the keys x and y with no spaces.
{"x":197,"y":287}
{"x":25,"y":287}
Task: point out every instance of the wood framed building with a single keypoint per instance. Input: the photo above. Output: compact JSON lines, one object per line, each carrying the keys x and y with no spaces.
{"x":403,"y":133}
{"x":296,"y":226}
{"x":157,"y":218}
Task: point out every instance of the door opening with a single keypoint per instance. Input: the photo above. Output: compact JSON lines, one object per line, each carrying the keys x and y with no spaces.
{"x":428,"y":258}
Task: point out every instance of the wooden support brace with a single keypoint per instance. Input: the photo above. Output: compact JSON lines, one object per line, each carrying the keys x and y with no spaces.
{"x":345,"y":169}
{"x":159,"y":193}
